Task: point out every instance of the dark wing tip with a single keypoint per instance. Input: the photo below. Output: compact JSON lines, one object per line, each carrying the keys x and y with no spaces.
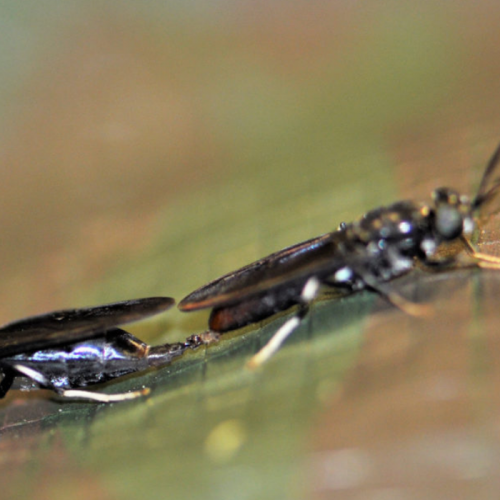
{"x":127,"y":311}
{"x":71,"y":325}
{"x":152,"y":304}
{"x":207,"y":296}
{"x":112,"y":314}
{"x":189,"y":303}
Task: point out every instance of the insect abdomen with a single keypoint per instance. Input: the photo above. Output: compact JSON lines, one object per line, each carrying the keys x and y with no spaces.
{"x":227,"y":318}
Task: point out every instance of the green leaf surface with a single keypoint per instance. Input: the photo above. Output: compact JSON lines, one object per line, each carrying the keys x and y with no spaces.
{"x":157,"y":147}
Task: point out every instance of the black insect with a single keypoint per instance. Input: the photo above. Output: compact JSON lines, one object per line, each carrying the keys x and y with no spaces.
{"x":74,"y":348}
{"x":366,"y":254}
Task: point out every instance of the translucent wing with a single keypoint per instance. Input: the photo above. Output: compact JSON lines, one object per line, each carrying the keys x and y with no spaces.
{"x":71,"y":325}
{"x":490,"y":182}
{"x":297,"y":262}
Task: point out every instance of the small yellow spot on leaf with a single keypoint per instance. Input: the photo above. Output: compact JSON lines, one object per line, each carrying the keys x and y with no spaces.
{"x":225,"y":440}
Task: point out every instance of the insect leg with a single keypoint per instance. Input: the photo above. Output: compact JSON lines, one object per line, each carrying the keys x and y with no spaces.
{"x":308,"y":294}
{"x":40,"y":379}
{"x":482,"y":260}
{"x":394,"y":298}
{"x":206,"y":338}
{"x":103,"y":398}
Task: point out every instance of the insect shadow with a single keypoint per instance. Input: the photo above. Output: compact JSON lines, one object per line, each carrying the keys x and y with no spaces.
{"x":68,"y":350}
{"x":369,"y":253}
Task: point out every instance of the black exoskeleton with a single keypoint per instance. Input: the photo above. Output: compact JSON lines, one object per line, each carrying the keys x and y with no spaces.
{"x":68,"y":350}
{"x":366,"y":254}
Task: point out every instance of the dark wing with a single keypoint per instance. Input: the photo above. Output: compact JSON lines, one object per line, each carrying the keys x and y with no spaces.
{"x":72,"y":325}
{"x":490,"y":181}
{"x":298,"y":262}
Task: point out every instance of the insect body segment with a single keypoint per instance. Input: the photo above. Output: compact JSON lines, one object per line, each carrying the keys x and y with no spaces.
{"x":366,"y":254}
{"x":68,"y":350}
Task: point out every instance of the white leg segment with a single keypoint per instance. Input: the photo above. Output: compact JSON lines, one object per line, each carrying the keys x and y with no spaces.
{"x":308,"y":294}
{"x":104,"y":398}
{"x":32,"y":374}
{"x":274,"y":343}
{"x":79,"y":394}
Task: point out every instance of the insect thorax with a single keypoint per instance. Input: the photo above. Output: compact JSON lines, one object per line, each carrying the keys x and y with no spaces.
{"x":385,"y":241}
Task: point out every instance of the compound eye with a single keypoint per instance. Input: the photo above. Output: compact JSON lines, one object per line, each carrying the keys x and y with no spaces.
{"x":448,"y":222}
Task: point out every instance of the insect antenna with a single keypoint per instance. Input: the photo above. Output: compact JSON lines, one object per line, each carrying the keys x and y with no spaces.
{"x":489,"y":184}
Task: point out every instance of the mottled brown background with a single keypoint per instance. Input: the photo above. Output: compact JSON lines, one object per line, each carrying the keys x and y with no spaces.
{"x":147,"y":147}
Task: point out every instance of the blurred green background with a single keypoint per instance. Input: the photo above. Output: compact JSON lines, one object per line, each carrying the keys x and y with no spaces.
{"x":148,"y":147}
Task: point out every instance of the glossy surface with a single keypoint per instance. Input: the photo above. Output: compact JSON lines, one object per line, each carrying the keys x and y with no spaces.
{"x":72,"y":325}
{"x":94,"y":361}
{"x":74,"y":348}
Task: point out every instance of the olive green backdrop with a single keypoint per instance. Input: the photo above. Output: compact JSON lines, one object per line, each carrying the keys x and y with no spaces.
{"x":149,"y":147}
